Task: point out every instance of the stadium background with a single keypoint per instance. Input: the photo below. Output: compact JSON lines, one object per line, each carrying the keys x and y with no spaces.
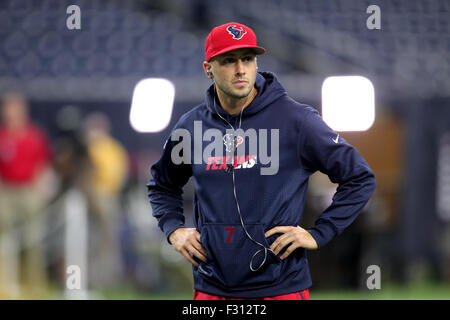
{"x":66,"y":75}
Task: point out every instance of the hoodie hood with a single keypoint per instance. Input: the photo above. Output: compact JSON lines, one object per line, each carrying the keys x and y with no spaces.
{"x":269,"y":90}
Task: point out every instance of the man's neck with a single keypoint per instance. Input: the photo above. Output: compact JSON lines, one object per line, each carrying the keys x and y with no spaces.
{"x":233,"y":106}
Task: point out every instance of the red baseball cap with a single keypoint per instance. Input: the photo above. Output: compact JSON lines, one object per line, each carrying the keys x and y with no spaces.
{"x":230,"y":36}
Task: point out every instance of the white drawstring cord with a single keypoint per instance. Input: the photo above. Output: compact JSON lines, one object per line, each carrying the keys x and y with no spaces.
{"x":235,"y":194}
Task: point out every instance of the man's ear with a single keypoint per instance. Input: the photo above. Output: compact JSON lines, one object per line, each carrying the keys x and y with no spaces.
{"x":207,"y":69}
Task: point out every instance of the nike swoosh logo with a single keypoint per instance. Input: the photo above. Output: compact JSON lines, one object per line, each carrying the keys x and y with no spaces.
{"x":336,"y":140}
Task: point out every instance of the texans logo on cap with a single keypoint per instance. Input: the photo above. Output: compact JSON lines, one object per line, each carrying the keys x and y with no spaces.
{"x":236,"y":33}
{"x":221,"y":40}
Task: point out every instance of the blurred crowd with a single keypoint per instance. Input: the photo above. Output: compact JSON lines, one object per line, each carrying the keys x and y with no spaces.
{"x":36,"y":172}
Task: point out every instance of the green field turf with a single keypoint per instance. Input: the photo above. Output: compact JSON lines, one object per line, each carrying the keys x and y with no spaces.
{"x":418,"y":291}
{"x":423,"y":291}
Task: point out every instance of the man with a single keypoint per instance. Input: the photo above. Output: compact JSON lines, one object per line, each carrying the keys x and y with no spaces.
{"x":247,"y":243}
{"x":24,"y":155}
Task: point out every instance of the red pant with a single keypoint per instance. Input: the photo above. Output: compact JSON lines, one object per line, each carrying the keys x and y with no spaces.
{"x":299,"y":295}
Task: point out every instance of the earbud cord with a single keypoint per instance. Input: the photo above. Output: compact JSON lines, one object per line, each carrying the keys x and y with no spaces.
{"x":234,"y":190}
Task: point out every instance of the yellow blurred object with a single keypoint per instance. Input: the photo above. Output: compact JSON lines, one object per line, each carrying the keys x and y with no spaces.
{"x":110,"y":162}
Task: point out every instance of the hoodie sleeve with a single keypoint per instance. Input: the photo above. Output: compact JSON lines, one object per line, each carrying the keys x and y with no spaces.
{"x":165,"y":190}
{"x":322,"y":149}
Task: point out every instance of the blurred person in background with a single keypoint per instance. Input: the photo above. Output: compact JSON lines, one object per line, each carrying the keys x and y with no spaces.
{"x":109,"y":171}
{"x":73,"y":171}
{"x":24,"y":155}
{"x":71,"y":160}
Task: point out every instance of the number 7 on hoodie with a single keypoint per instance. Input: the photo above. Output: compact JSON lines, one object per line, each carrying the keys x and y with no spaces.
{"x":231,"y":229}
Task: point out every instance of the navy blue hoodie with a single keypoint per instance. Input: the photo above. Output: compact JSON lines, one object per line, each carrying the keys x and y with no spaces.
{"x":306,"y":144}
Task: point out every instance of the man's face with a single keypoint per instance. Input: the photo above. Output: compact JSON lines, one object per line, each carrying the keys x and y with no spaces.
{"x":13,"y":111}
{"x":234,"y":72}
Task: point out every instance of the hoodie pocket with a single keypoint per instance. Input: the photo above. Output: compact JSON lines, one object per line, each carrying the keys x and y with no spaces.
{"x":229,"y":253}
